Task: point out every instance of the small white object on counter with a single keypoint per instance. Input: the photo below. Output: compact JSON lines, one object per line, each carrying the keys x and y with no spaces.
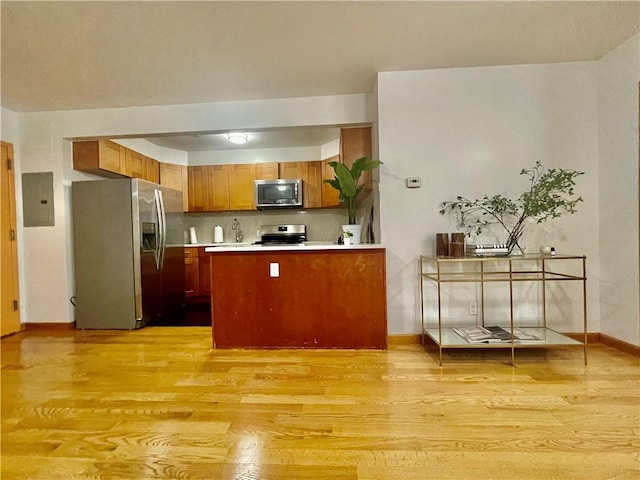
{"x":218,"y":235}
{"x":193,"y":238}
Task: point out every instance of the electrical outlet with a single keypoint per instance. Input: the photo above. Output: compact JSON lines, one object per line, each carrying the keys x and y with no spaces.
{"x":274,"y":269}
{"x":473,"y":308}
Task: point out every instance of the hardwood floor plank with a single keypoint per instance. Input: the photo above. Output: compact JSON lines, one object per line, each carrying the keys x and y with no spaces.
{"x":160,"y":403}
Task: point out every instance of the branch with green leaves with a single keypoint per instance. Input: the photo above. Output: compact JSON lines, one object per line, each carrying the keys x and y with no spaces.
{"x":551,"y":193}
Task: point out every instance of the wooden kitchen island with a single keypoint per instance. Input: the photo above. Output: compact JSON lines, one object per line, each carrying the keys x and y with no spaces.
{"x":301,"y":296}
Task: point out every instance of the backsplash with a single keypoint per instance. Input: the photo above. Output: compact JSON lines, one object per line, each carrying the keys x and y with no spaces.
{"x":322,"y":225}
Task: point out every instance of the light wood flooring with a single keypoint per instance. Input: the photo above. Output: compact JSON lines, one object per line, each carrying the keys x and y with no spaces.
{"x":160,"y":403}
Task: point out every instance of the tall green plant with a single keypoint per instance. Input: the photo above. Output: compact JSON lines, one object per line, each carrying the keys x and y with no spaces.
{"x":550,"y":194}
{"x":346,"y":181}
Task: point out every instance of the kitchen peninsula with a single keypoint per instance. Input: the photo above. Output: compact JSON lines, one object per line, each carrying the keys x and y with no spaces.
{"x":311,"y":295}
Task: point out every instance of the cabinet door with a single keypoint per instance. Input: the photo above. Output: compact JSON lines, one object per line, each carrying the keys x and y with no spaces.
{"x":100,"y":157}
{"x":111,"y":157}
{"x":151,"y":169}
{"x":292,"y":170}
{"x":267,"y":171}
{"x":175,"y":176}
{"x":134,"y":164}
{"x":191,"y":272}
{"x":241,"y":186}
{"x":312,"y":185}
{"x":355,"y":143}
{"x":198,"y":188}
{"x":204,"y":273}
{"x":218,"y":178}
{"x":329,"y":194}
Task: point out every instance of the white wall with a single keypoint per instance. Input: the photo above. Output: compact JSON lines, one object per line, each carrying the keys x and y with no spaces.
{"x":8,"y":126}
{"x":469,"y":131}
{"x":47,"y":252}
{"x":618,"y":76}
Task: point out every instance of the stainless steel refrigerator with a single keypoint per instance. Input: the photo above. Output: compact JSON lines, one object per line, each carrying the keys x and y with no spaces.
{"x":128,"y":241}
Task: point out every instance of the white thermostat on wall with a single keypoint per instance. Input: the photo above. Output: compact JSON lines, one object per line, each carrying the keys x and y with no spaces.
{"x":414,"y":182}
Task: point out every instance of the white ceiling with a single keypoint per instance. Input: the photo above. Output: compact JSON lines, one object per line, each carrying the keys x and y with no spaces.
{"x":282,"y":138}
{"x":83,"y":55}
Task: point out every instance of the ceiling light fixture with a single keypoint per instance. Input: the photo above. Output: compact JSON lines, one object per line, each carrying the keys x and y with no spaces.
{"x":237,"y":137}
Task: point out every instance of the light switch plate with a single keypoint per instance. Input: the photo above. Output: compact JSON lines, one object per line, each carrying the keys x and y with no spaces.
{"x":274,"y":269}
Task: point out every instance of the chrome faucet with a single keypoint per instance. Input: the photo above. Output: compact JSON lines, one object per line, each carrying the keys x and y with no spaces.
{"x":235,"y":226}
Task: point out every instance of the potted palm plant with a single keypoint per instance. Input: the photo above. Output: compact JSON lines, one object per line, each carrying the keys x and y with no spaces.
{"x":347,"y":182}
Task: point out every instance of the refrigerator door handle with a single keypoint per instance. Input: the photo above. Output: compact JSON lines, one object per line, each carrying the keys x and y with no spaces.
{"x":158,"y":247}
{"x":163,"y":229}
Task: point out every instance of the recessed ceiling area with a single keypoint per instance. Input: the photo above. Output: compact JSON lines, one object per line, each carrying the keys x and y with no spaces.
{"x":87,"y":55}
{"x":279,"y":138}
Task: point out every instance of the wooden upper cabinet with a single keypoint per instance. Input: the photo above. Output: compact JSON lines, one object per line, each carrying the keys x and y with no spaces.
{"x":267,"y":171}
{"x":100,"y":157}
{"x":241,"y":186}
{"x":198,"y":188}
{"x":151,"y":169}
{"x":355,"y":143}
{"x":329,"y":194}
{"x":175,"y":176}
{"x":312,"y":185}
{"x":292,"y":170}
{"x":311,"y":175}
{"x":134,"y":164}
{"x":218,"y":184}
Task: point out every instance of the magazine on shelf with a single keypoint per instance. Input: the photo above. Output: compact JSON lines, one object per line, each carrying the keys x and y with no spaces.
{"x":495,"y":334}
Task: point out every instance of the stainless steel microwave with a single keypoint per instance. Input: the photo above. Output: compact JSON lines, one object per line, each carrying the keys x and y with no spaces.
{"x":278,"y":193}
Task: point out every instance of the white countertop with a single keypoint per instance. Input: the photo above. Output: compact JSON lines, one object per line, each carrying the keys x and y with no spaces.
{"x":248,"y":247}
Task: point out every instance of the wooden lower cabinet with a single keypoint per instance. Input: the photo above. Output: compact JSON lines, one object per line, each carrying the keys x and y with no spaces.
{"x":191,"y":272}
{"x":320,"y":299}
{"x":197,"y":274}
{"x":204,"y":274}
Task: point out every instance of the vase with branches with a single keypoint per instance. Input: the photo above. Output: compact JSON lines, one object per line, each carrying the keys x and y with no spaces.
{"x":550,"y":194}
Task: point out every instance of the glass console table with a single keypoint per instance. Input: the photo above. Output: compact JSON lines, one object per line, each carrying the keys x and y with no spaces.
{"x":509,"y":270}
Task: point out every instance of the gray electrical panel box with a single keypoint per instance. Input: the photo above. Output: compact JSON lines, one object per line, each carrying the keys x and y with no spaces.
{"x":37,"y":199}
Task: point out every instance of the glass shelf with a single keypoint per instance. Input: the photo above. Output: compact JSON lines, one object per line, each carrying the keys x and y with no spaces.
{"x":549,"y":338}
